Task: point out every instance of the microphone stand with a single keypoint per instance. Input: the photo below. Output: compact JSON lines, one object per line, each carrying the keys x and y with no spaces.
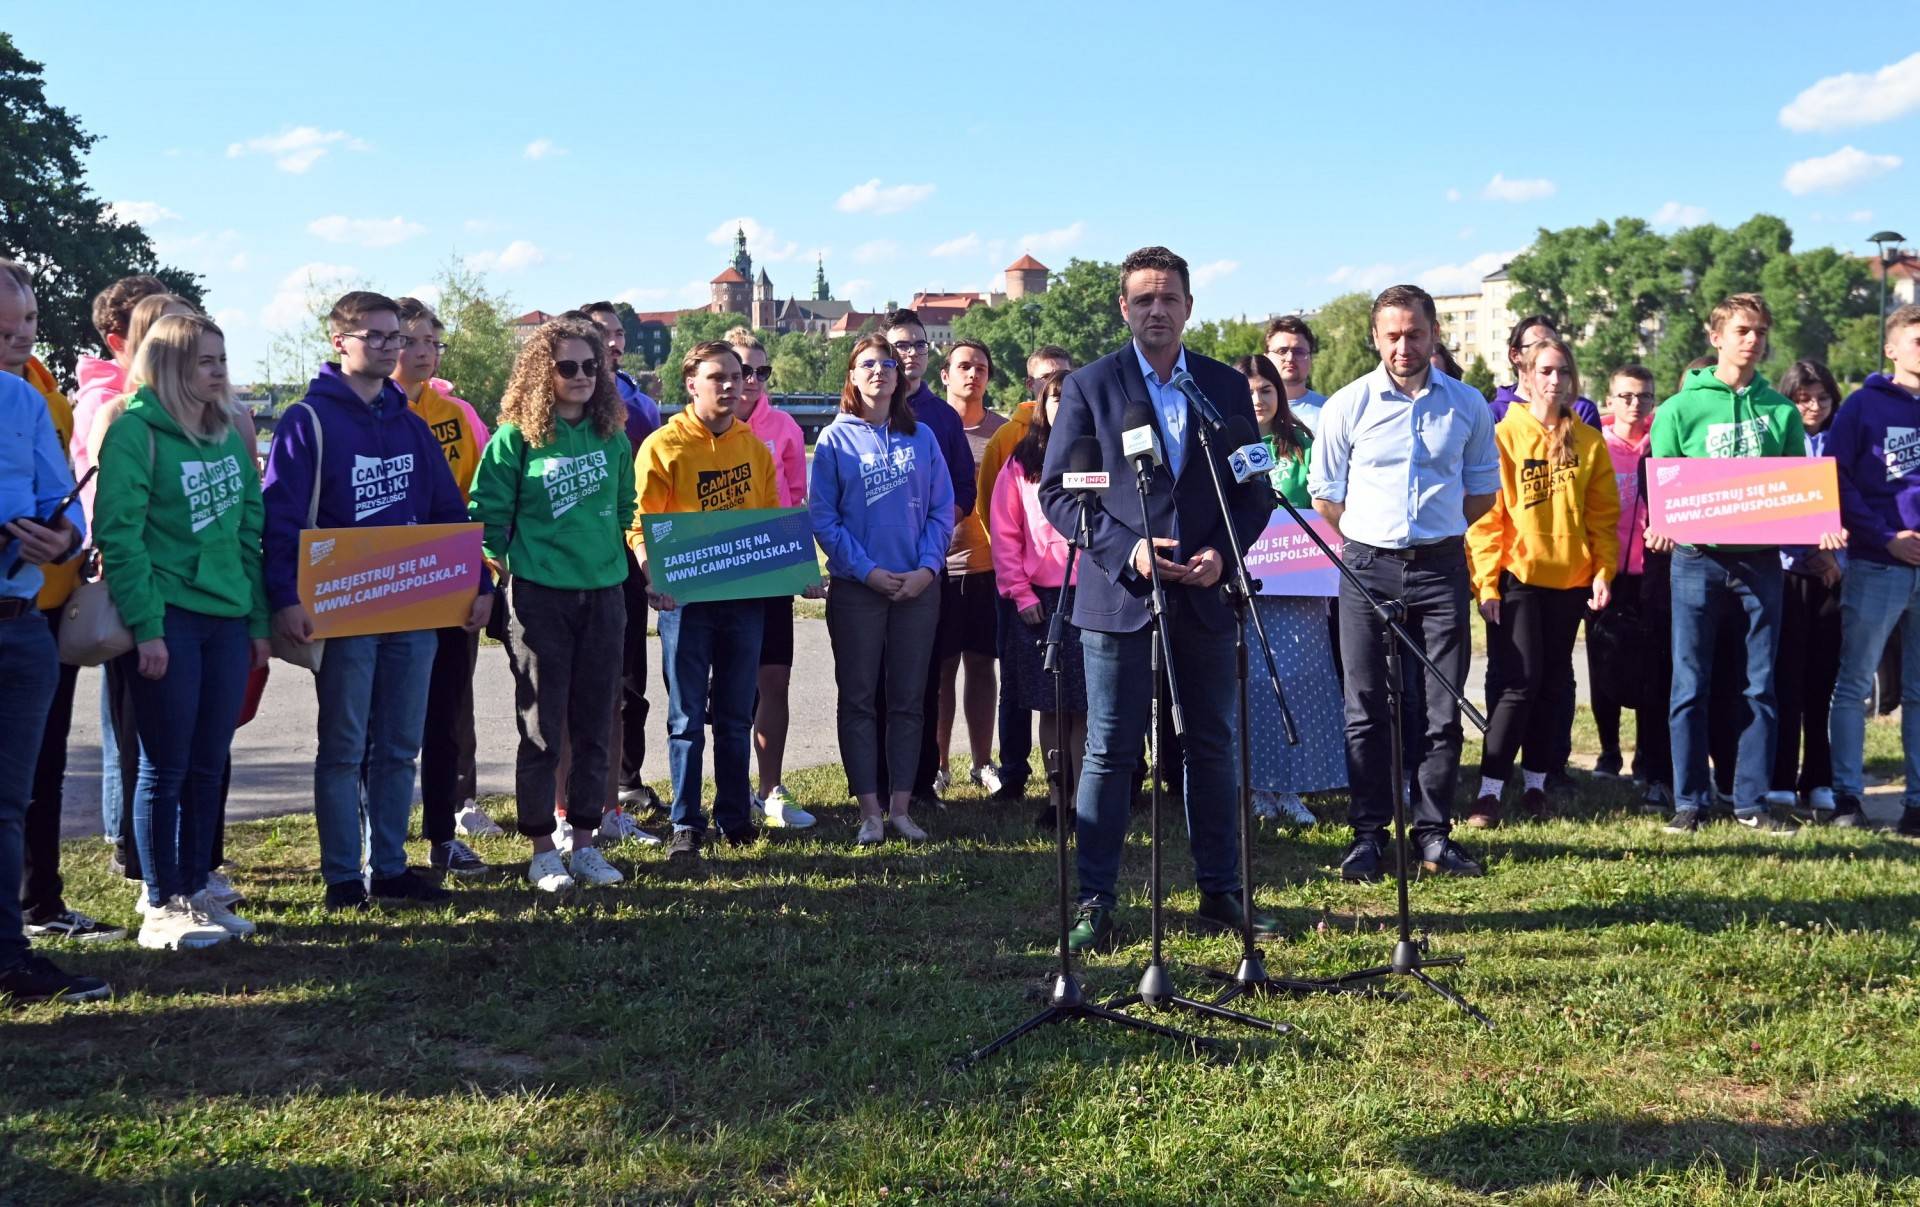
{"x":1410,"y":958}
{"x":1156,"y":989}
{"x":1069,"y":1000}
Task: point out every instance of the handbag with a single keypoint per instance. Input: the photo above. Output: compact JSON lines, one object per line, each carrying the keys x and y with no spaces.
{"x":309,"y":655}
{"x":1620,"y":638}
{"x":91,"y":631}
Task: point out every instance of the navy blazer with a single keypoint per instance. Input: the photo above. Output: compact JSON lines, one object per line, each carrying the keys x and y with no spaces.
{"x":1111,"y":597}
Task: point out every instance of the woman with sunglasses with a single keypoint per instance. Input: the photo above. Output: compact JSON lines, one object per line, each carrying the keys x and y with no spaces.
{"x":882,"y":507}
{"x":555,"y":493}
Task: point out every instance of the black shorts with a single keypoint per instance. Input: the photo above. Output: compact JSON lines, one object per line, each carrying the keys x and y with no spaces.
{"x":969,"y":617}
{"x":776,"y":634}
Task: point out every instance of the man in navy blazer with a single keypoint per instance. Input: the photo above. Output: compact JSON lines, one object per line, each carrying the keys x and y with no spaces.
{"x":1111,"y":604}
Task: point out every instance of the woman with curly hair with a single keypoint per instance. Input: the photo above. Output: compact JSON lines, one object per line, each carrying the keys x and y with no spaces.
{"x":555,"y":493}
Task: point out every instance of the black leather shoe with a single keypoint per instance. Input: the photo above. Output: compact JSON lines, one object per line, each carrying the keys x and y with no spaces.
{"x":1223,"y":910}
{"x":1847,"y":814}
{"x":1361,"y":864}
{"x":1445,"y":858}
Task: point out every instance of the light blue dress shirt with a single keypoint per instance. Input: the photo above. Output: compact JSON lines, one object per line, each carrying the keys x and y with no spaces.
{"x":1404,"y":466}
{"x":33,"y":476}
{"x":1307,"y":408}
{"x":1172,"y":405}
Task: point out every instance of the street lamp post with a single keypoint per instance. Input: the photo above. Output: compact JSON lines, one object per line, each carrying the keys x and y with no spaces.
{"x":1032,"y":312}
{"x":1888,"y":258}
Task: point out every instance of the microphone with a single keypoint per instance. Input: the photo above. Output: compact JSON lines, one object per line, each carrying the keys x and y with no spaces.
{"x":1083,"y":467}
{"x":1140,"y":439}
{"x":1190,"y":389}
{"x":1251,"y":458}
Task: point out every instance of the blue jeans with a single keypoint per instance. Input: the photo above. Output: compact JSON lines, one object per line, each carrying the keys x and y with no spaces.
{"x":1119,"y":707}
{"x":711,"y":657}
{"x":1874,"y":598}
{"x":1711,"y":589}
{"x":112,"y":802}
{"x":373,"y":709}
{"x":29,"y":671}
{"x":186,"y":721}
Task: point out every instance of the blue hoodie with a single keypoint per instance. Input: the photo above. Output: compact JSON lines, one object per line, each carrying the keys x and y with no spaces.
{"x":1506,"y":396}
{"x":382,"y":466}
{"x":1874,"y":441}
{"x":880,"y":499}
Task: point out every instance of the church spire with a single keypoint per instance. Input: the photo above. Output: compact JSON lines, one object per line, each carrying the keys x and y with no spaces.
{"x":741,"y":260}
{"x":820,"y":291}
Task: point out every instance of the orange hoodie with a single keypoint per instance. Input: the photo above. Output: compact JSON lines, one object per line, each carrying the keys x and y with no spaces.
{"x":1550,"y":525}
{"x":685,"y":467}
{"x":57,"y":581}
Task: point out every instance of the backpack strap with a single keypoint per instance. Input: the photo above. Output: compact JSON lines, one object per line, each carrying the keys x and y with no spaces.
{"x":319,"y":455}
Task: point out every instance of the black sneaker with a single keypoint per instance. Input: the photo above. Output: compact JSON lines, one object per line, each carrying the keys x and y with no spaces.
{"x":407,"y":890}
{"x":456,"y":857}
{"x":348,"y":894}
{"x":1608,"y":765}
{"x":1011,"y":791}
{"x":1092,"y":929}
{"x":1769,"y":824}
{"x":1657,"y":799}
{"x":1534,"y":804}
{"x":643,"y":803}
{"x":1446,"y":858}
{"x":74,"y":925}
{"x":1223,"y":910}
{"x":745,"y":836}
{"x":1909,"y":826}
{"x":1561,"y":784}
{"x":38,"y":980}
{"x":1361,"y":864}
{"x":1684,"y":821}
{"x":684,"y":849}
{"x":1847,"y":813}
{"x":1047,"y":818}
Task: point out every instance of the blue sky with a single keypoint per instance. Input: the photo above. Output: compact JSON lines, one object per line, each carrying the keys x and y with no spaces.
{"x":1289,"y":155}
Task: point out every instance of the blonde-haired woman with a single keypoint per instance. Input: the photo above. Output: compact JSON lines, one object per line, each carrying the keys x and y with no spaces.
{"x":555,"y":493}
{"x":1544,"y":554}
{"x":178,"y":519}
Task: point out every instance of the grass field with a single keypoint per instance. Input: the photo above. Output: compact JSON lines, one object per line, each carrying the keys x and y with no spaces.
{"x":1711,"y":1020}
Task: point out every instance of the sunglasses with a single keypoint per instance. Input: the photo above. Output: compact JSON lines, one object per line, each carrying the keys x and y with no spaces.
{"x":871,"y":363}
{"x":567,"y":369}
{"x":763,"y":372}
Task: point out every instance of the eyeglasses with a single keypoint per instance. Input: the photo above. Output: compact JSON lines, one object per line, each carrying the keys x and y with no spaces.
{"x":1628,"y":396}
{"x":411,"y":341}
{"x":1284,"y":353}
{"x":763,"y":372}
{"x":568,"y":369}
{"x":871,"y":363}
{"x":911,"y":345}
{"x":376,"y":340}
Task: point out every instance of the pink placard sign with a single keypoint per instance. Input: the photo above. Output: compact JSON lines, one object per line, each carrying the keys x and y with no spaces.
{"x":1287,"y":562}
{"x":1742,"y":500}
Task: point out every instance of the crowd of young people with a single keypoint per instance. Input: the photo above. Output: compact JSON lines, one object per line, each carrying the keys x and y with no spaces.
{"x":938,"y":521}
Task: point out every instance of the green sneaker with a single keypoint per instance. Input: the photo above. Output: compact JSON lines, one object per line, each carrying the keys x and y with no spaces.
{"x":1092,"y":930}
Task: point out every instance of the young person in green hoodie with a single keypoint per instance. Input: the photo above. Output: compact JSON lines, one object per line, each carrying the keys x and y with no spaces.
{"x":1728,"y":410}
{"x":178,"y":521}
{"x":555,"y":493}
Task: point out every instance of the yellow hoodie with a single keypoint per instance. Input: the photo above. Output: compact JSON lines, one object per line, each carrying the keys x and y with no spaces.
{"x":1550,"y":525}
{"x":685,"y":467}
{"x":57,"y":580}
{"x":455,"y":433}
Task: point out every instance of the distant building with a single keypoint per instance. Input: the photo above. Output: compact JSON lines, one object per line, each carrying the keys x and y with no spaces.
{"x":1902,"y":276}
{"x":938,"y":310}
{"x":528,"y":323}
{"x":1025,"y":276}
{"x":1476,"y":324}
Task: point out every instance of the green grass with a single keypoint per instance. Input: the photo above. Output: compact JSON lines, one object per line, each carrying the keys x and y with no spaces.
{"x":1724,"y":1019}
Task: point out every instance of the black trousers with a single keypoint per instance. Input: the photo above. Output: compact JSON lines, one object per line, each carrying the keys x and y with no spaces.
{"x":929,"y":761}
{"x":1015,"y":722}
{"x":1434,"y":589}
{"x":447,"y":749}
{"x":1803,"y":678}
{"x":1535,"y":636}
{"x":1652,"y":740}
{"x":633,"y":681}
{"x":41,"y":886}
{"x":1558,"y":698}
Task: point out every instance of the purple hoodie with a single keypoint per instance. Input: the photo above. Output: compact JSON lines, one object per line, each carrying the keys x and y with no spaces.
{"x":643,"y":413}
{"x":1506,"y":396}
{"x":381,"y":464}
{"x":1874,"y":440}
{"x":951,"y":434}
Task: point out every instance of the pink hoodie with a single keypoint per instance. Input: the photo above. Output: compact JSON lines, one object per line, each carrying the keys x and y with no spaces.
{"x":101,"y":381}
{"x":781,"y":433}
{"x":444,"y":388}
{"x":1028,"y":551}
{"x":1633,"y":512}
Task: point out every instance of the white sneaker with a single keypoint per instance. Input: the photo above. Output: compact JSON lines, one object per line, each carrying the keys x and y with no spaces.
{"x":1295,"y":810}
{"x":476,"y":824}
{"x":219,"y":914}
{"x":177,"y":925}
{"x":589,"y":866}
{"x":905,"y":828}
{"x":1822,"y":799}
{"x":779,"y":811}
{"x":988,"y":777}
{"x":546,"y":873}
{"x":1266,"y":805}
{"x":222,"y":889}
{"x":872,"y":830}
{"x":619,"y":826}
{"x":140,"y":904}
{"x":562,"y":835}
{"x":942,"y":781}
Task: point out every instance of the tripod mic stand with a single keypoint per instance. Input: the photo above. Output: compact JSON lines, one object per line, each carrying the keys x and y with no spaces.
{"x":1069,"y":1000}
{"x":1410,"y":958}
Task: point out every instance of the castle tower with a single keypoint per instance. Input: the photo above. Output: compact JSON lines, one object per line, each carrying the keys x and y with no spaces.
{"x":763,"y":304}
{"x":821,"y":293}
{"x":1026,"y":276}
{"x":742,"y":262}
{"x":732,"y":292}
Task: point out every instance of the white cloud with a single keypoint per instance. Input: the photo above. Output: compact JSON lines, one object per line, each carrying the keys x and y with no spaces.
{"x":762,"y":243}
{"x":643,"y":297}
{"x":1453,"y":194}
{"x":1463,"y":278}
{"x":1674,"y":214}
{"x":297,"y":149}
{"x":292,"y":301}
{"x":543,"y":148}
{"x":511,"y":258}
{"x":964,"y":245}
{"x":426,"y":292}
{"x":146,"y":213}
{"x":1843,"y":169}
{"x":1860,"y":216}
{"x":237,"y":262}
{"x":851,"y":291}
{"x":231,"y":319}
{"x":1368,"y":277}
{"x":1854,"y":99}
{"x":876,"y":198}
{"x":1207,"y":274}
{"x":1502,"y":189}
{"x":1057,"y":240}
{"x":364,"y":232}
{"x":875,"y":251}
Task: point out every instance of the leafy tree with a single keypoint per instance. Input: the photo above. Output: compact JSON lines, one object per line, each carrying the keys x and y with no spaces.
{"x":1813,"y":295}
{"x":1226,"y":339}
{"x":1603,"y":286}
{"x":1480,"y":376}
{"x":1007,"y":333}
{"x":294,"y":355}
{"x":52,"y":222}
{"x":481,"y":347}
{"x":1344,"y":328}
{"x":1855,"y":351}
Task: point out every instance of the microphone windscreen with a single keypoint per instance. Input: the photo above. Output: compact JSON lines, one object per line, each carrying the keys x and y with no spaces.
{"x":1240,"y":432}
{"x":1137,"y":414}
{"x":1084,"y":456}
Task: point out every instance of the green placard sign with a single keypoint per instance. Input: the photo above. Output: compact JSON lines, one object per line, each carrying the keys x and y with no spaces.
{"x":699,"y":556}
